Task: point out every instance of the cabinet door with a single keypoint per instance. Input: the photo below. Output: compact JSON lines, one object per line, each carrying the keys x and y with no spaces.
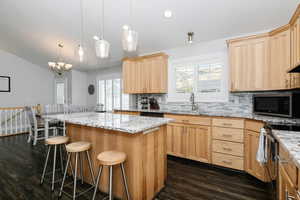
{"x":131,"y":77}
{"x":177,"y":140}
{"x":295,"y":43}
{"x":199,"y":147}
{"x":258,"y":60}
{"x":158,"y":75}
{"x":280,"y":61}
{"x":286,"y":189}
{"x":251,"y":165}
{"x":238,"y":53}
{"x":249,"y":60}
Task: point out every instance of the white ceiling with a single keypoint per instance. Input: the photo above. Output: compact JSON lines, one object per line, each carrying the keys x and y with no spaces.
{"x":31,"y":29}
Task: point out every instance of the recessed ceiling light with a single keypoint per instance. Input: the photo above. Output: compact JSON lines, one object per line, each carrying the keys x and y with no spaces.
{"x":96,"y":37}
{"x":168,"y":13}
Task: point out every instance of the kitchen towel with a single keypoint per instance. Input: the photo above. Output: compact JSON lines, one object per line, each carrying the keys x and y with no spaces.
{"x":261,"y":155}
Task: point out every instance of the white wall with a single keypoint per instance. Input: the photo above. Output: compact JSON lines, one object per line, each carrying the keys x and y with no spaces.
{"x":79,"y":88}
{"x":30,"y":84}
{"x":100,"y":74}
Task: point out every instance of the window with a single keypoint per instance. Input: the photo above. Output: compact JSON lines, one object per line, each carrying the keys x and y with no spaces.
{"x":111,"y":96}
{"x":206,"y":77}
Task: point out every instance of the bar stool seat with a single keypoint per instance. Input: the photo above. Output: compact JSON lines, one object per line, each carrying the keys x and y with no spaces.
{"x":77,"y":147}
{"x":57,"y":140}
{"x":108,"y":158}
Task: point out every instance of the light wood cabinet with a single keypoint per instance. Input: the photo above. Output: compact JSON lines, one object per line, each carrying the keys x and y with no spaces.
{"x":189,"y":141}
{"x":251,"y":165}
{"x":287,"y":190}
{"x":146,"y":74}
{"x":295,"y":49}
{"x":199,"y":138}
{"x":177,"y":140}
{"x":280,"y":61}
{"x":249,"y":59}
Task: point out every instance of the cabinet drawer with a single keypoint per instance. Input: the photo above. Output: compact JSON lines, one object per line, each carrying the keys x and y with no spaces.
{"x":232,"y":148}
{"x":204,"y":121}
{"x":228,"y":134}
{"x":228,"y":161}
{"x":229,"y":123}
{"x":288,"y":165}
{"x":253,"y":125}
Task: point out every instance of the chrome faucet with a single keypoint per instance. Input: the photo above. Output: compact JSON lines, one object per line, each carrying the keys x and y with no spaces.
{"x":192,"y":100}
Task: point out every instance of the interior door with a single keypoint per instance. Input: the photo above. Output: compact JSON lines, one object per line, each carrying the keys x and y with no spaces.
{"x":61,"y":94}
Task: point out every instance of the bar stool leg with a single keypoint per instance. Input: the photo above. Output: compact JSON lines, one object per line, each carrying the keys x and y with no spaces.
{"x":65,"y":174}
{"x":110,"y":182}
{"x":54,"y":164}
{"x":90,"y":167}
{"x":46,"y":163}
{"x":75,"y":176}
{"x":97,"y":181}
{"x":124,"y":181}
{"x":61,"y":159}
{"x":81,"y":167}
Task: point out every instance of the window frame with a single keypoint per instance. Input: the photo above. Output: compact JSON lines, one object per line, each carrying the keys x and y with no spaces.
{"x":215,"y":58}
{"x":121,"y":92}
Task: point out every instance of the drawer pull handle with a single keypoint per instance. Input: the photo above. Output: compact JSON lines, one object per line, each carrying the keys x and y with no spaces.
{"x":225,"y":135}
{"x":185,"y":121}
{"x":227,"y":124}
{"x":227,"y":162}
{"x":227,"y":149}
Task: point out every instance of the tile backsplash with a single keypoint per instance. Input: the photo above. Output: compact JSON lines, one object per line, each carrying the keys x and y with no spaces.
{"x":239,"y":104}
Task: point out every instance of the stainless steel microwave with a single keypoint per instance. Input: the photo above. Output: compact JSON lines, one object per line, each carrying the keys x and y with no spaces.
{"x":280,"y":105}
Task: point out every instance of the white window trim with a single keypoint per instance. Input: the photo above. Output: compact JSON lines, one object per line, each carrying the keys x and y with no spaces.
{"x":219,"y":57}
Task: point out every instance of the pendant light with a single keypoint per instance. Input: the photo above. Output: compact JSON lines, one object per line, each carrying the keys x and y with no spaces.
{"x":190,"y":39}
{"x":80,"y":49}
{"x":59,"y":67}
{"x":101,"y":45}
{"x":129,"y":36}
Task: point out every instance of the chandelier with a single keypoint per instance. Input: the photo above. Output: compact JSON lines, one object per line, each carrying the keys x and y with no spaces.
{"x":59,"y":68}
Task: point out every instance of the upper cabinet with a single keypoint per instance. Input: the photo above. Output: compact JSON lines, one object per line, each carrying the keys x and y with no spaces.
{"x":262,"y":62}
{"x":280,"y":60}
{"x":295,"y":47}
{"x":248,"y":60}
{"x":146,"y":74}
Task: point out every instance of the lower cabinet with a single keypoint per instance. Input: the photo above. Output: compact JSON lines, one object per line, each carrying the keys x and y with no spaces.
{"x":286,"y":189}
{"x":189,"y":141}
{"x":251,"y":165}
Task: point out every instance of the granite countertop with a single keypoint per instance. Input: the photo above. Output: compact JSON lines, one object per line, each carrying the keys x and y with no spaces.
{"x":213,"y":114}
{"x":290,"y":141}
{"x":125,"y":123}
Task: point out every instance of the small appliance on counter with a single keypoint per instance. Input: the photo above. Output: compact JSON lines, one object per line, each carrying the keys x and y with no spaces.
{"x":145,"y":103}
{"x":99,"y":108}
{"x":153,"y":104}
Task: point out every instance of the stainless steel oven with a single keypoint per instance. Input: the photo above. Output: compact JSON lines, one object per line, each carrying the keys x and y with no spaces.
{"x":280,"y":105}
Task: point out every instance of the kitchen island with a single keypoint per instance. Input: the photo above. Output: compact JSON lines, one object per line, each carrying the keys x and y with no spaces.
{"x":143,"y":139}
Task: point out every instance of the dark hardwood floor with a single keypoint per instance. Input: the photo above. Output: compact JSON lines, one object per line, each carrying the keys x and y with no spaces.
{"x":21,"y":167}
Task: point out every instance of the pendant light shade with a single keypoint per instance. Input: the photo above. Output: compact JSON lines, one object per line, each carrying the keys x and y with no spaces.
{"x":129,"y":40}
{"x":102,"y":48}
{"x":80,"y":52}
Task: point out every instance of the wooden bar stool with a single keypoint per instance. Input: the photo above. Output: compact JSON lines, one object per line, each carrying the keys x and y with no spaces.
{"x":54,"y":142}
{"x":77,"y":148}
{"x":110,"y":159}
